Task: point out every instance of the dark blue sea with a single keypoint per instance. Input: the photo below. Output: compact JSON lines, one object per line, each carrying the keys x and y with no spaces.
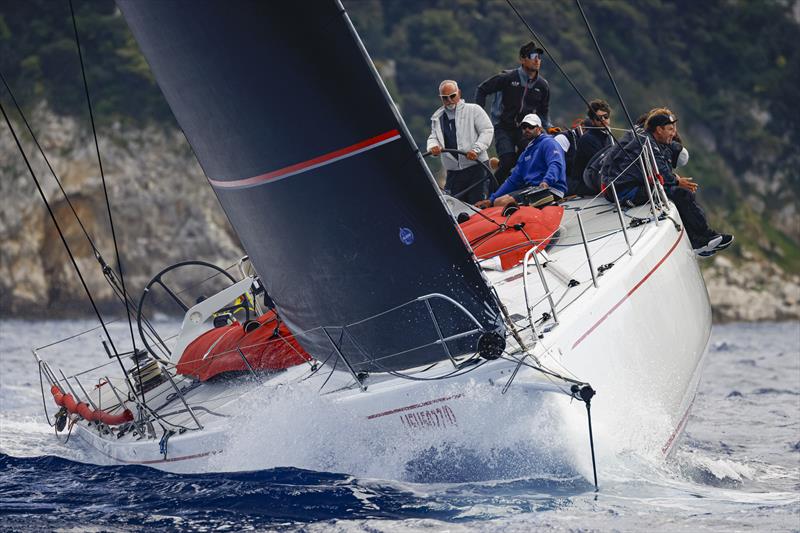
{"x":737,"y":467}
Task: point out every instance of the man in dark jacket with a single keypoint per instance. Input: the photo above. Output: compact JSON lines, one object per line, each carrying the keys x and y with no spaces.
{"x":596,"y":136}
{"x":518,"y":92}
{"x":626,"y":173}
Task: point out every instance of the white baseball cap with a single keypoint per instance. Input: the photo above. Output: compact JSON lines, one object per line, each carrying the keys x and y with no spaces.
{"x":532,"y":119}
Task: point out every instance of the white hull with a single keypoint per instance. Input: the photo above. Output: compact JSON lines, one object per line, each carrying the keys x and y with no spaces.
{"x":638,"y":339}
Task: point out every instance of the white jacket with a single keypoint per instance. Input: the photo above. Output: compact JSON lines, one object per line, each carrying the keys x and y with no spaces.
{"x":474,"y":131}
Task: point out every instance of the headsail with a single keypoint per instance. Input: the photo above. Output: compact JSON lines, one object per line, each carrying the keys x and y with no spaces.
{"x":318,"y":175}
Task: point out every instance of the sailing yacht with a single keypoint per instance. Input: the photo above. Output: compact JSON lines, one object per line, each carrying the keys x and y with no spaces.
{"x":363,"y":280}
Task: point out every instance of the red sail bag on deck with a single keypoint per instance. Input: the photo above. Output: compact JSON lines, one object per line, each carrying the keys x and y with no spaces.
{"x":491,"y":233}
{"x":217,"y":351}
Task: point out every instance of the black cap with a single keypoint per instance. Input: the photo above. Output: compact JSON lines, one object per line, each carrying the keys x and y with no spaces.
{"x":529,"y":48}
{"x":661,"y":120}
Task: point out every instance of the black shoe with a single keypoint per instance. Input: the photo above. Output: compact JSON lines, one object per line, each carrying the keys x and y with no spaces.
{"x":726,"y":241}
{"x":711,"y":245}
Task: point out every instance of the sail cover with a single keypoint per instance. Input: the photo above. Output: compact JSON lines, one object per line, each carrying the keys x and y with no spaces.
{"x":319,"y":177}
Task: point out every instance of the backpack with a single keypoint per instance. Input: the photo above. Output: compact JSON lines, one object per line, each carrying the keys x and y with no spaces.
{"x":596,"y":167}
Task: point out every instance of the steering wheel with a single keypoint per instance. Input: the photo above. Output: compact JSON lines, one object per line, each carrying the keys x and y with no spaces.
{"x":146,"y":328}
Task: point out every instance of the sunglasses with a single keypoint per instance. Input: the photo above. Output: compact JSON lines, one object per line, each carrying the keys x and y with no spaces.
{"x":535,"y":55}
{"x":528,"y":127}
{"x":449,"y":96}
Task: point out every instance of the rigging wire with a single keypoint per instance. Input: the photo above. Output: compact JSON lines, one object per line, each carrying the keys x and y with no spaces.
{"x":108,"y":208}
{"x":58,"y":228}
{"x":50,"y":166}
{"x":541,"y":43}
{"x":569,"y":80}
{"x":605,"y":66}
{"x":108,"y":272}
{"x":102,"y":176}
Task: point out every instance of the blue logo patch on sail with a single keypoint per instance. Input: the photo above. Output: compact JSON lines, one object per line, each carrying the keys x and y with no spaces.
{"x":406,"y":236}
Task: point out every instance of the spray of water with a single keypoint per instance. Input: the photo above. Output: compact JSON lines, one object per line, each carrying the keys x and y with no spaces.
{"x":494,"y":436}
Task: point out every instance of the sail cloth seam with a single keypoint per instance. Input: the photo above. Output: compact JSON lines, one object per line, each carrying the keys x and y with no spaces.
{"x":311,"y":164}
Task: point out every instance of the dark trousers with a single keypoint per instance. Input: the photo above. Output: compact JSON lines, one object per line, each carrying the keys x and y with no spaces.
{"x":505,"y":142}
{"x":692,"y":215}
{"x":459,"y":181}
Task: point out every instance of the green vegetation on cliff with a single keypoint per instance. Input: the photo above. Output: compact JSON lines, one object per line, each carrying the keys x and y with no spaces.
{"x":729,"y":68}
{"x":39,"y":59}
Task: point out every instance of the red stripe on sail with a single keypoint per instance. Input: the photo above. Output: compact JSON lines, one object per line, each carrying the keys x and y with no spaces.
{"x":297,"y":168}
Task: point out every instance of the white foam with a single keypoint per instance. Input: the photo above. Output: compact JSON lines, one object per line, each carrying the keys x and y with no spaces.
{"x":295,"y":426}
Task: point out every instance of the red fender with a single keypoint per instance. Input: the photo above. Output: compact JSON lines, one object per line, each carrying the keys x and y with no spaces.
{"x":114,"y":420}
{"x":58,"y":396}
{"x":70,"y":403}
{"x":86,"y":412}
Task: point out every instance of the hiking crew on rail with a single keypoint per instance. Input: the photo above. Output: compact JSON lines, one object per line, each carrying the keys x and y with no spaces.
{"x":520,"y":115}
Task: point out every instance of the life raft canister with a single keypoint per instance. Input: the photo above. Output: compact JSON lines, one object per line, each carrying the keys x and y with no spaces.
{"x":492,"y":233}
{"x":271,"y":346}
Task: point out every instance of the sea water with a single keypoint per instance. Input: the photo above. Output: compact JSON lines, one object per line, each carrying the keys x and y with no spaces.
{"x":736,"y":468}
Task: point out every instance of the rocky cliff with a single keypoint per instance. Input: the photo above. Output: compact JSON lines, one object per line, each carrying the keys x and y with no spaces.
{"x":162,"y":207}
{"x":165,"y":212}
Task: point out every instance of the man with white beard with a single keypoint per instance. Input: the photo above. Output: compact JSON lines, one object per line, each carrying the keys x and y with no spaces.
{"x":458,"y":125}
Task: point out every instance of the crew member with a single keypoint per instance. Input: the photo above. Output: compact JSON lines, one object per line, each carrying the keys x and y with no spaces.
{"x":458,"y":125}
{"x":518,"y":92}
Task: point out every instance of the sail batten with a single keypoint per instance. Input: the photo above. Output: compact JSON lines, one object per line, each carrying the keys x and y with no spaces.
{"x":318,"y":175}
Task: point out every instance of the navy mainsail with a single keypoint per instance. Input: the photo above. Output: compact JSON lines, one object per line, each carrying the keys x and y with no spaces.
{"x":319,"y":177}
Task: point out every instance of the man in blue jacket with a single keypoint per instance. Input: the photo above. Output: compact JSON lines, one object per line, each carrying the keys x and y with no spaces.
{"x":540,"y":165}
